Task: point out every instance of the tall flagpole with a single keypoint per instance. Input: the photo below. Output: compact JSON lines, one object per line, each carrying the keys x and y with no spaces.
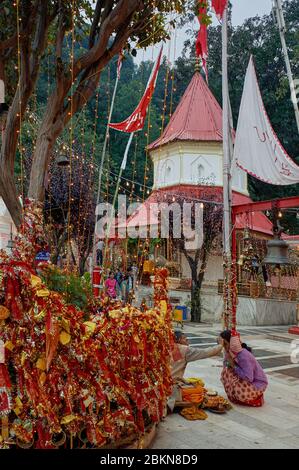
{"x":227,"y":193}
{"x":102,"y":166}
{"x":282,"y":30}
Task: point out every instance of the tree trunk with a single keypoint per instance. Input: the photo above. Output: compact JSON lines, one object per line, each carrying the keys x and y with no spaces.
{"x":45,"y":142}
{"x":29,"y":67}
{"x":9,"y":195}
{"x":84,"y":256}
{"x":82,"y":262}
{"x":195,"y":294}
{"x":57,"y":249}
{"x":195,"y":302}
{"x":9,"y":142}
{"x":197,"y":266}
{"x":197,"y":280}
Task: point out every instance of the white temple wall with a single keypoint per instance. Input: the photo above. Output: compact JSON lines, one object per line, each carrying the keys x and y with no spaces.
{"x":193,"y":163}
{"x":214,"y":270}
{"x":6,"y":224}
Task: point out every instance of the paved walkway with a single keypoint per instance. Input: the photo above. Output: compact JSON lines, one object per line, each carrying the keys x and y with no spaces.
{"x":274,"y":426}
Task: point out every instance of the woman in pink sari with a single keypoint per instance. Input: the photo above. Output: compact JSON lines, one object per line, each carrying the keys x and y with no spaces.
{"x":242,"y":376}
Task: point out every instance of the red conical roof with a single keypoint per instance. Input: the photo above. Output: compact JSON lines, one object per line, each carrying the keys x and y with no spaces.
{"x":198,"y":116}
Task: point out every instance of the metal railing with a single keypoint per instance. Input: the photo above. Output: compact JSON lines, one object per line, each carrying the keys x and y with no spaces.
{"x":256,"y":290}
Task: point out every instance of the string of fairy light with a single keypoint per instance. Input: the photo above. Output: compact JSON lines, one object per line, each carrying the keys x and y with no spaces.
{"x":86,"y":195}
{"x":145,"y":178}
{"x":92,"y":165}
{"x":16,"y":4}
{"x":169,"y":191}
{"x":134,"y":171}
{"x":108,"y":143}
{"x":35,"y":113}
{"x":173,"y":89}
{"x":35,"y":122}
{"x":82,"y":161}
{"x":71,"y":132}
{"x":166,"y":79}
{"x":142,"y":252}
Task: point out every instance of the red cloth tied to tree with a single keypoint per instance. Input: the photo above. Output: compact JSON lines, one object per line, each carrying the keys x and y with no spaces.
{"x":68,"y":373}
{"x":201,"y":45}
{"x":219,"y":7}
{"x":4,"y":377}
{"x":12,"y":296}
{"x":5,"y":385}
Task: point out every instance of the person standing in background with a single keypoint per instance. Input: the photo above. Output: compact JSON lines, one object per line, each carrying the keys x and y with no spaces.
{"x":110,"y":286}
{"x":134,"y":271}
{"x":100,"y":247}
{"x":118,"y":278}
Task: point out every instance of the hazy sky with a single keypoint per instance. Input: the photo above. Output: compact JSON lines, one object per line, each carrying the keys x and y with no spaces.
{"x":246,"y":8}
{"x":242,"y":9}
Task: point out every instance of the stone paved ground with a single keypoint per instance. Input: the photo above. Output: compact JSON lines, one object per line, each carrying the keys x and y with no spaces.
{"x":274,"y":426}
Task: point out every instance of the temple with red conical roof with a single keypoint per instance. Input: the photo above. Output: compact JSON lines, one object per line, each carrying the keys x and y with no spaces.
{"x":189,"y":151}
{"x":188,"y":157}
{"x":188,"y":164}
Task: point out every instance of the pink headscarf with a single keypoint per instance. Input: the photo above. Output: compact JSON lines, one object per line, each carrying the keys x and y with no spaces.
{"x":235,"y":345}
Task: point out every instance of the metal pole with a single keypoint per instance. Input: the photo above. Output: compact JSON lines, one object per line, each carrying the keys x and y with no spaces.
{"x":102,"y":167}
{"x":226,"y":174}
{"x":282,"y":30}
{"x":234,"y":287}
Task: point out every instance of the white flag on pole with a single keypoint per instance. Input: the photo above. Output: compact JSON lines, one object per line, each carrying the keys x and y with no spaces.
{"x":257,"y":148}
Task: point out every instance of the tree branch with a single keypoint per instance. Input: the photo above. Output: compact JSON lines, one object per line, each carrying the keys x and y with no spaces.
{"x":28,"y":25}
{"x":95,"y":23}
{"x":90,"y":78}
{"x":120,"y":14}
{"x":59,"y":43}
{"x":39,"y":41}
{"x":107,"y":11}
{"x":9,"y":43}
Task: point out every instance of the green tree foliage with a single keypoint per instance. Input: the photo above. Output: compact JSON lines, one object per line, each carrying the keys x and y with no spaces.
{"x":76,"y":290}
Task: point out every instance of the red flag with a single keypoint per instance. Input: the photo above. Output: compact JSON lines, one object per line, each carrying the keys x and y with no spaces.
{"x":136,"y":121}
{"x":219,"y":7}
{"x":202,"y":39}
